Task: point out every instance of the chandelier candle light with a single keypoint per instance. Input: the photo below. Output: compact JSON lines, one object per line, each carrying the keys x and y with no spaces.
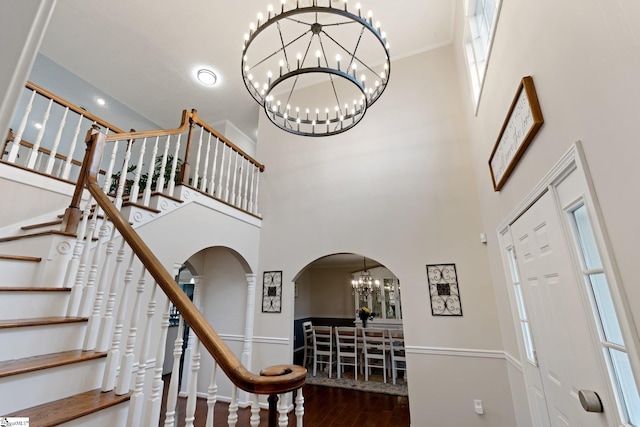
{"x":319,"y":50}
{"x":365,"y":285}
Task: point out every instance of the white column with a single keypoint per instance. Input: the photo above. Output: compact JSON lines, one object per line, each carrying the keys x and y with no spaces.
{"x":248,"y":330}
{"x":27,"y":26}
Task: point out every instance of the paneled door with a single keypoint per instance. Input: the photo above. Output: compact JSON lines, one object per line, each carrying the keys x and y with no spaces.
{"x":566,"y":355}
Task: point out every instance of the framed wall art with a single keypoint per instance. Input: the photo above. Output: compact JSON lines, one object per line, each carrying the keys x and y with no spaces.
{"x":523,"y":121}
{"x":272,"y":292}
{"x":443,"y":290}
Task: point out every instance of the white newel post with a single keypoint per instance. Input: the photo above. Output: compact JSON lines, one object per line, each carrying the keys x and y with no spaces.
{"x":245,"y":397}
{"x":191,"y":339}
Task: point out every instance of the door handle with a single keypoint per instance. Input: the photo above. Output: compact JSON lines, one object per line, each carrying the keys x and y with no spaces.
{"x":590,"y":401}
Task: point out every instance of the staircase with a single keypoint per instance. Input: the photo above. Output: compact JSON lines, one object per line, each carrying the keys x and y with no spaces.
{"x":86,"y":303}
{"x":44,"y":374}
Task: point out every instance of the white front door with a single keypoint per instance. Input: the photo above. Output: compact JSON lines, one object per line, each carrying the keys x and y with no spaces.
{"x":566,"y":355}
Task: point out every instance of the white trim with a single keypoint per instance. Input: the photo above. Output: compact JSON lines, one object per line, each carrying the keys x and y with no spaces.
{"x":464,"y":352}
{"x":232,"y":337}
{"x":187,"y":194}
{"x":513,"y":361}
{"x":271,"y":340}
{"x":560,"y":169}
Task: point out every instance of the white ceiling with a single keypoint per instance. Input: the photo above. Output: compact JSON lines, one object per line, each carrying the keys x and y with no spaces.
{"x":143,"y":52}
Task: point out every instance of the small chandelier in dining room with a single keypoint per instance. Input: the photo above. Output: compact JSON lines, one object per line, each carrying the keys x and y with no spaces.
{"x":315,"y":66}
{"x":364,"y":284}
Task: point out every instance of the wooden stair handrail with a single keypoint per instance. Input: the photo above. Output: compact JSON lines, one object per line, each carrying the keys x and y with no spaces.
{"x":273,"y":380}
{"x":188,"y":118}
{"x":73,"y":107}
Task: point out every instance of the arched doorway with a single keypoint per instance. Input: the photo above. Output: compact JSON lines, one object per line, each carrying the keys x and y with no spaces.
{"x":324,"y":296}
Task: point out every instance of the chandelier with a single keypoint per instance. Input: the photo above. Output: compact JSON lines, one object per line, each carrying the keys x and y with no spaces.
{"x":365,"y":285}
{"x":315,"y":66}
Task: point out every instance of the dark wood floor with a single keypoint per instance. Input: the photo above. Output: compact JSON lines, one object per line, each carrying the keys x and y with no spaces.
{"x":324,"y":407}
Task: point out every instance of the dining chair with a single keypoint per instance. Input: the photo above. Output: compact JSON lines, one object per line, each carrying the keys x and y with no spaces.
{"x":375,"y":354}
{"x":347,"y":349}
{"x":322,"y":348}
{"x":398,"y":358}
{"x":307,"y":330}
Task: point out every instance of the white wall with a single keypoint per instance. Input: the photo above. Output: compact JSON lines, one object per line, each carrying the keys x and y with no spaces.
{"x":409,"y":163}
{"x":584,"y":58}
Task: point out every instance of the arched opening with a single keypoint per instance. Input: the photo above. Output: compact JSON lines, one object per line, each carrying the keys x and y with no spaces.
{"x":215,"y":279}
{"x":325,"y":295}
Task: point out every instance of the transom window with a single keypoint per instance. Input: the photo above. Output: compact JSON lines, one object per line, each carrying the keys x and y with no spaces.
{"x":480,"y":24}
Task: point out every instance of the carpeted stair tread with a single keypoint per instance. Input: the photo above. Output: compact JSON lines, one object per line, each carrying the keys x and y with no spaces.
{"x":70,"y":408}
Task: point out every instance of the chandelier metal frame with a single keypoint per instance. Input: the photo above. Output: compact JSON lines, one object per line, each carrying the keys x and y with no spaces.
{"x":312,"y":123}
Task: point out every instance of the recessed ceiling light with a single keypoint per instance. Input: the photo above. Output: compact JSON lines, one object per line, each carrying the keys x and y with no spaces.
{"x":101,"y":102}
{"x":38,"y":125}
{"x":206,"y":77}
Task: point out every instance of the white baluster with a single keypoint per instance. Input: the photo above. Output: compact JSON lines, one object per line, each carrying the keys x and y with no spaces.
{"x":235,"y":176}
{"x":299,"y":407}
{"x":89,"y":291}
{"x":283,"y":419}
{"x":123,"y":175}
{"x":226,"y":185}
{"x":36,"y":145}
{"x":196,"y":170}
{"x":152,"y":409}
{"x":23,"y":124}
{"x":212,"y":190}
{"x":150,"y":172}
{"x":136,"y":404}
{"x":107,"y":320}
{"x":255,"y":411}
{"x":232,"y":419}
{"x":172,"y":394}
{"x":56,"y":143}
{"x":126,"y":365}
{"x":163,"y":167}
{"x":190,"y":410}
{"x":212,"y":396}
{"x":255,"y":201}
{"x":108,"y":176}
{"x":253,"y":178}
{"x":58,"y":172}
{"x":39,"y":157}
{"x":135,"y":188}
{"x":74,"y":142}
{"x":203,"y":183}
{"x":172,"y":177}
{"x":220,"y":192}
{"x":93,"y":327}
{"x":191,"y":339}
{"x":245,"y":187}
{"x":113,"y":357}
{"x":78,"y":287}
